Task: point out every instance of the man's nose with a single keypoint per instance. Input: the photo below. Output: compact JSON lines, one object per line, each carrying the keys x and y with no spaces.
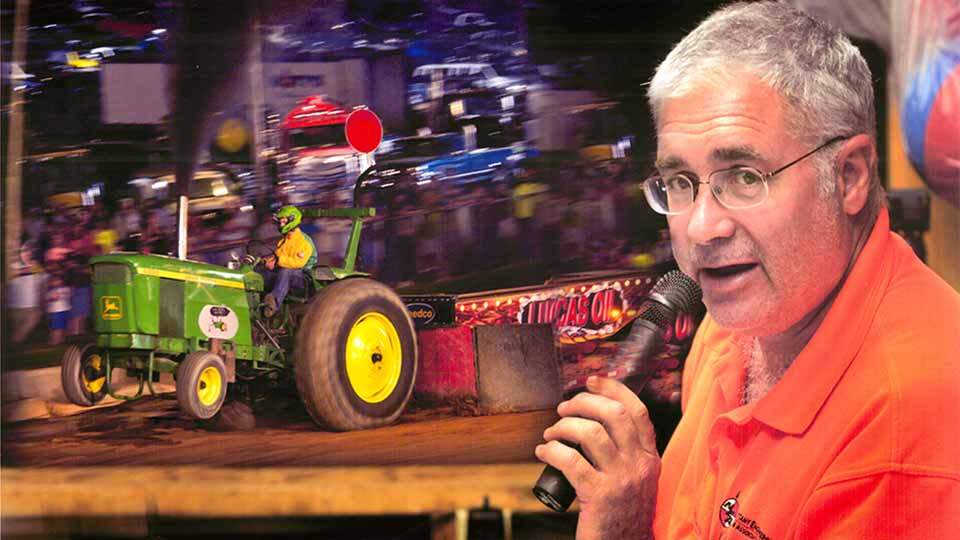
{"x":709,"y":220}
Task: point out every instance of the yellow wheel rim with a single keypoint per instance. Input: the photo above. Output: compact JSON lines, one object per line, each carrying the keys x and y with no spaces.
{"x":208,"y":386}
{"x":95,"y":365}
{"x":374,"y":357}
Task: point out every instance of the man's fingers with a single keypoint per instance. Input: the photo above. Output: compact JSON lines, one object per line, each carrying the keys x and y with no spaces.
{"x":616,"y":406}
{"x":567,"y":460}
{"x":618,"y":391}
{"x":590,"y":435}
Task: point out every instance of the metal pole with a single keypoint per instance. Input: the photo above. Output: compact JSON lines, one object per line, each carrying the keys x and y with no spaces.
{"x":13,"y":214}
{"x":183,"y":207}
{"x":257,"y":99}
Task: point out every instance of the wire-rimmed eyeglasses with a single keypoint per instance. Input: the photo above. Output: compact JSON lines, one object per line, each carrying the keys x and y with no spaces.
{"x":736,"y":188}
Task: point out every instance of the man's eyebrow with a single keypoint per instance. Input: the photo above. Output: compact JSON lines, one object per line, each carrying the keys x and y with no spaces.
{"x":670,"y":162}
{"x":736,"y":153}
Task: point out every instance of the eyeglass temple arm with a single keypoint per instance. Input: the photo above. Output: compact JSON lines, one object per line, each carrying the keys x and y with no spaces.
{"x":810,"y":153}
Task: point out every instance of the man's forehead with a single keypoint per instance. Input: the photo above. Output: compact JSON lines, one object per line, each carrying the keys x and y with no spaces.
{"x":726,"y":122}
{"x":724,"y":153}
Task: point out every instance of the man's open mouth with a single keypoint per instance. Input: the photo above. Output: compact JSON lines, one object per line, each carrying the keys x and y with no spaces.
{"x":728,"y":271}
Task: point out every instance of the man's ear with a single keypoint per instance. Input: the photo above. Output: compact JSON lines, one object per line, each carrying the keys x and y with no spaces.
{"x":856,"y":162}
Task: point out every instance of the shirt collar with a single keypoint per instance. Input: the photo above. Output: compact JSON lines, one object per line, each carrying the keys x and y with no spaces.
{"x":794,"y":402}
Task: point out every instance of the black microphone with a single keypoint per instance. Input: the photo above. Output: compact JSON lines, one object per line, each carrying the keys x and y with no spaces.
{"x":673,"y":293}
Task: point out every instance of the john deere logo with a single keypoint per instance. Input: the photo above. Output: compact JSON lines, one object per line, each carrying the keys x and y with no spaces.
{"x":421,"y":313}
{"x":111,"y":308}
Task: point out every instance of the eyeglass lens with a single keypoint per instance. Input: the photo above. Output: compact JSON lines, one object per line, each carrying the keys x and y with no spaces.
{"x":739,"y":187}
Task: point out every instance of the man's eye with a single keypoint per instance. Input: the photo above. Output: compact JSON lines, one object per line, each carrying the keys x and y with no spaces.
{"x":745,"y":178}
{"x":677,"y":183}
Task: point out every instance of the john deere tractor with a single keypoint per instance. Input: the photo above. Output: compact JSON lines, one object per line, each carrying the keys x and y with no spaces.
{"x":346,"y":340}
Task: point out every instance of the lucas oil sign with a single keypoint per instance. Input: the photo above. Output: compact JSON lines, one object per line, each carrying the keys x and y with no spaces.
{"x":594,"y":311}
{"x":581,"y":311}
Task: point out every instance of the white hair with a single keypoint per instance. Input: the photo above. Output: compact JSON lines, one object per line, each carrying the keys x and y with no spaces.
{"x":824,"y":80}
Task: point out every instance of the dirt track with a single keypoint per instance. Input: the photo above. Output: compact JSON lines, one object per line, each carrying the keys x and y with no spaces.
{"x":151,"y":431}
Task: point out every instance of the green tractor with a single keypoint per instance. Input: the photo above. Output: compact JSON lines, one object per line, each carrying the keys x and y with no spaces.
{"x":347,"y":341}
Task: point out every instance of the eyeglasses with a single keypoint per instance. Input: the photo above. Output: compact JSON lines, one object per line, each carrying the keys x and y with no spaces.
{"x":736,"y":188}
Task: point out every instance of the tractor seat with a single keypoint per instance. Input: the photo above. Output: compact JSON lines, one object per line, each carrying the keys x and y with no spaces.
{"x":317,"y":273}
{"x":321,"y":273}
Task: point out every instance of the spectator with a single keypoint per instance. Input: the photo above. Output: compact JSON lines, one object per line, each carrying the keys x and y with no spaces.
{"x":403,"y":257}
{"x":77,"y":272}
{"x":25,"y":295}
{"x":526,"y":196}
{"x":371,"y":241}
{"x":551,"y":215}
{"x":156,"y":238}
{"x":104,"y":237}
{"x":490,"y":212}
{"x":459,"y":236}
{"x":428,"y":233}
{"x":58,"y":251}
{"x":331,"y":235}
{"x":34,"y":225}
{"x":58,"y":308}
{"x":127,"y":222}
{"x":608,"y":193}
{"x":80,"y":240}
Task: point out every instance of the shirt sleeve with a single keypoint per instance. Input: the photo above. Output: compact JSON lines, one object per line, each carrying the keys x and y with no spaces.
{"x":890,"y":504}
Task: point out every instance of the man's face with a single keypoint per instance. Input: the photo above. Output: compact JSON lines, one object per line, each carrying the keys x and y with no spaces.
{"x":762,"y":269}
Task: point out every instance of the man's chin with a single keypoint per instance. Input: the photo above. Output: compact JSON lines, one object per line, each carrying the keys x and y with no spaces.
{"x":739,"y":317}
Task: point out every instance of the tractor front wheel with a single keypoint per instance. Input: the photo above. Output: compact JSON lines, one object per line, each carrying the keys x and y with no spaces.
{"x":201,"y":384}
{"x":355,"y":359}
{"x":83,"y":374}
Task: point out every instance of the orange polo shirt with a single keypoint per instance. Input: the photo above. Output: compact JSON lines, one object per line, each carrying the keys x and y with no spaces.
{"x":859,"y":440}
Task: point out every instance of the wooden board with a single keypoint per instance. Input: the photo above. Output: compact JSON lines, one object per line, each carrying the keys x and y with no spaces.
{"x":195,"y":491}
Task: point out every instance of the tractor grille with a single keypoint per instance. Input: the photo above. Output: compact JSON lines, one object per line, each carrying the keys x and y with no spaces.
{"x":171,"y":307}
{"x":111,"y":273}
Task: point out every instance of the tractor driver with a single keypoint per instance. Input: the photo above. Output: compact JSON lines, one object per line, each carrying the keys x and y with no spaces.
{"x":284,"y":267}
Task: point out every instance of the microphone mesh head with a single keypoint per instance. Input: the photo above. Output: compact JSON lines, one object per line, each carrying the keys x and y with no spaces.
{"x":677,"y":291}
{"x":658,"y":314}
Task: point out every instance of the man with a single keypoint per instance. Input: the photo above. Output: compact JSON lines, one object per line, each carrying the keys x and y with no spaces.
{"x":284,"y":268}
{"x":24,"y":295}
{"x":820,"y":395}
{"x":527,"y":194}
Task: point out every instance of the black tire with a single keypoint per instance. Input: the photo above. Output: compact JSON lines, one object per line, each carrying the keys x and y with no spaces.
{"x":235,"y":416}
{"x":320,"y":356}
{"x":83,"y":374}
{"x":201,"y":384}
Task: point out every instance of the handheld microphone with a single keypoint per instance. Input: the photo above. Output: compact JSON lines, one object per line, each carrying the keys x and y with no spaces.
{"x":673,"y":293}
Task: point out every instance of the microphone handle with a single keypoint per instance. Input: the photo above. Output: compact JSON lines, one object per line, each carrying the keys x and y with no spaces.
{"x":639,"y":354}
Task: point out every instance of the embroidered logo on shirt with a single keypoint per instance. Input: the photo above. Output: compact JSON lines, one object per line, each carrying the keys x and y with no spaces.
{"x":730,"y":516}
{"x":728,"y":513}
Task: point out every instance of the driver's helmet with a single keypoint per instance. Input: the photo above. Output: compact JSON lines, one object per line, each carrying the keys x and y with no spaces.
{"x":293,"y":215}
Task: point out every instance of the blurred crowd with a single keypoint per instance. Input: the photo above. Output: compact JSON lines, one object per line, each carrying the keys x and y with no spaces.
{"x":51,"y":282}
{"x":577,"y":216}
{"x":583,"y":215}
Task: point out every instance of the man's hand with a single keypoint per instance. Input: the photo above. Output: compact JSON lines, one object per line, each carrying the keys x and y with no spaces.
{"x":618,"y":492}
{"x":270,"y":261}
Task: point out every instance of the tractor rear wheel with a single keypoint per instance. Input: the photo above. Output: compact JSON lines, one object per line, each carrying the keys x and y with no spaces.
{"x":83,"y":374}
{"x":355,"y":359}
{"x":201,"y":384}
